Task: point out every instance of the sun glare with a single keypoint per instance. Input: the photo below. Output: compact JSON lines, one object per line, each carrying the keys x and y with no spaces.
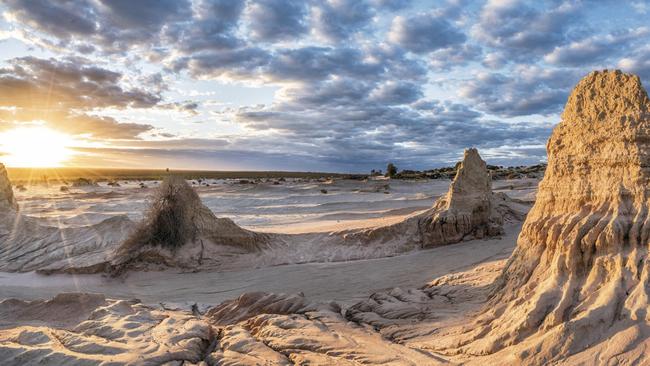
{"x":36,"y":147}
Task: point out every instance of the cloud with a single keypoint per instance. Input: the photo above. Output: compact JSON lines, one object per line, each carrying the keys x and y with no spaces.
{"x":396,"y":93}
{"x":424,"y":33}
{"x":354,"y":83}
{"x":63,"y":93}
{"x":241,"y":63}
{"x":640,"y":7}
{"x":337,"y":20}
{"x":100,"y":127}
{"x":114,"y":26}
{"x":275,"y":20}
{"x":189,"y":107}
{"x":212,"y":28}
{"x":30,"y":82}
{"x":526,"y":91}
{"x":149,"y":15}
{"x":314,"y":63}
{"x":372,"y":121}
{"x":392,"y":5}
{"x":596,"y":48}
{"x":637,"y":62}
{"x":522,"y":31}
{"x":46,"y":16}
{"x":452,"y":57}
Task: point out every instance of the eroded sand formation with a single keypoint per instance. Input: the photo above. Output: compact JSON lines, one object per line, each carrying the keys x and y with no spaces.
{"x":579,"y":276}
{"x":28,"y":245}
{"x":180,"y":231}
{"x":7,"y":200}
{"x":575,"y":291}
{"x":85,"y":329}
{"x":469,"y":210}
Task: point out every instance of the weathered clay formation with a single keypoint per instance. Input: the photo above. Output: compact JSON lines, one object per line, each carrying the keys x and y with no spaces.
{"x":579,"y":275}
{"x":469,"y":210}
{"x":7,"y":200}
{"x":180,"y":231}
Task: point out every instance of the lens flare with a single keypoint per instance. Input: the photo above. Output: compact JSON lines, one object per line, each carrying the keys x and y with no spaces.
{"x":37,"y":147}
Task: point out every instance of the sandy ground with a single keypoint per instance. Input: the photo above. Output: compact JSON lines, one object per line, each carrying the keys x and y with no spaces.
{"x":292,"y":207}
{"x":93,"y":319}
{"x":345,"y":282}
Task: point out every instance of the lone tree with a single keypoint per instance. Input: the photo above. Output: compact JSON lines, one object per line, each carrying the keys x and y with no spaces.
{"x":391,"y":170}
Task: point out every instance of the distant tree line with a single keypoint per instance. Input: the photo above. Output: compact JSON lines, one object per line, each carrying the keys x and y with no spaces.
{"x":497,"y":171}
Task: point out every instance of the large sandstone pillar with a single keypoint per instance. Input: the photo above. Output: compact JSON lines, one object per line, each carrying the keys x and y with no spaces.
{"x":579,"y":274}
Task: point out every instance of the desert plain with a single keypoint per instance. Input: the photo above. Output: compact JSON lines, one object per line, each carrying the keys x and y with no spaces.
{"x":471,"y":270}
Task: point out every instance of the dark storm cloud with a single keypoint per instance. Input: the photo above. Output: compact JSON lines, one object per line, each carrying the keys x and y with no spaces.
{"x":425,"y":33}
{"x":274,"y":20}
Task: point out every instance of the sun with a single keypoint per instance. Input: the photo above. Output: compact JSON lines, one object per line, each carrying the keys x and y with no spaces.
{"x":35,"y":147}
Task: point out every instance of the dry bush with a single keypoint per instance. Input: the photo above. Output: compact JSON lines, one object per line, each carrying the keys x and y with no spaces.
{"x":168,"y":222}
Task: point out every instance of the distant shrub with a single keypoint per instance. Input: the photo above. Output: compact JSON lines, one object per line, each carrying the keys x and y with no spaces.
{"x":83,"y":182}
{"x":391,"y":170}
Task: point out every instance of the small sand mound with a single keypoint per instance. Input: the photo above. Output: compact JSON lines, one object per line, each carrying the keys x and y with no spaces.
{"x":7,"y":200}
{"x":63,"y":311}
{"x":578,"y":278}
{"x":179,"y":231}
{"x":251,"y":304}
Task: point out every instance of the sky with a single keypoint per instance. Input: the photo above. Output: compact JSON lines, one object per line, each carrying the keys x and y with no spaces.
{"x":338,"y":85}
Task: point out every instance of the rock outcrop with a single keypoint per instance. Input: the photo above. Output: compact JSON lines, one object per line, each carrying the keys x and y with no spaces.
{"x":469,"y":210}
{"x":7,"y":200}
{"x":180,"y":231}
{"x":579,"y":276}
